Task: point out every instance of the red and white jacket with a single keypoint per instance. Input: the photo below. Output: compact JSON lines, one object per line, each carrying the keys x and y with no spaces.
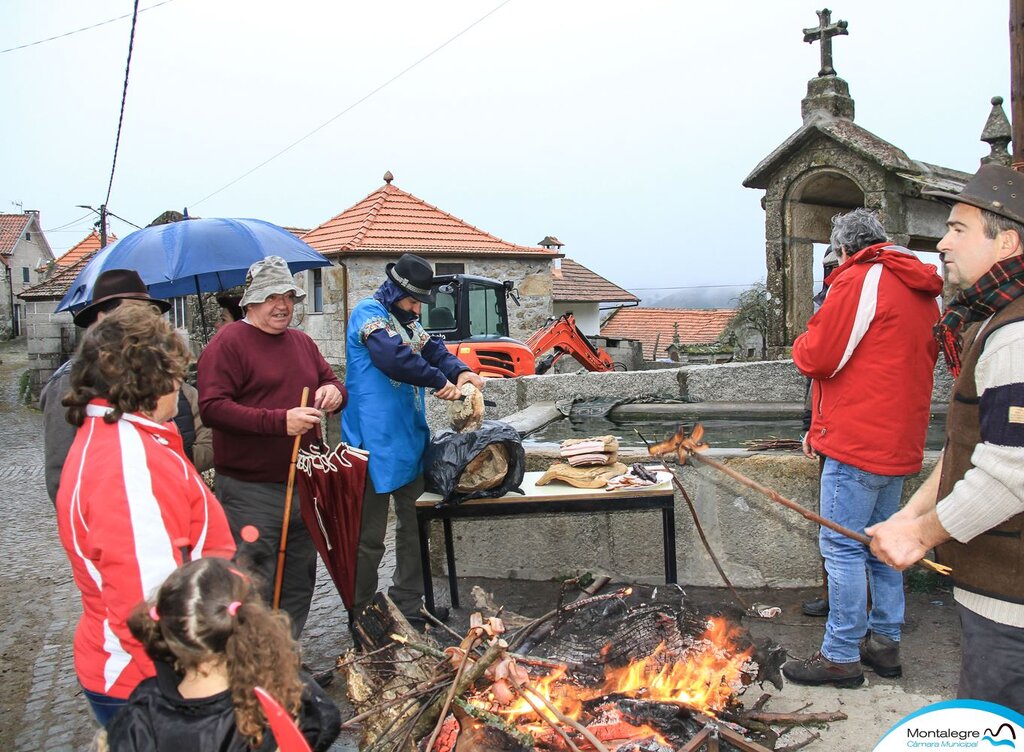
{"x":128,"y":502}
{"x":871,"y":353}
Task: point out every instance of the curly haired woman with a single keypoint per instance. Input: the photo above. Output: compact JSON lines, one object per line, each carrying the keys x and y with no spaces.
{"x":210,"y":624}
{"x":130,"y":507}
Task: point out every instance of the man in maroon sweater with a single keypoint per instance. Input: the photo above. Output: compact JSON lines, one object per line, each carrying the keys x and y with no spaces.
{"x":251,"y":377}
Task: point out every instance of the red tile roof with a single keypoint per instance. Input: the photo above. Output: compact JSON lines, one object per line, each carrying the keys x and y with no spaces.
{"x":57,"y":286}
{"x":296,"y":231}
{"x":12,"y":227}
{"x":390,"y":221}
{"x":655,"y":325}
{"x":574,"y":283}
{"x":85,"y":247}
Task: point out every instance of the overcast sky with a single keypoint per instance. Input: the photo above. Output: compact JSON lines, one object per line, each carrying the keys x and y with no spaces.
{"x":623,"y":128}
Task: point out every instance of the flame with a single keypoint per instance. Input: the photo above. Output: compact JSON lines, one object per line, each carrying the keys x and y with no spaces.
{"x":705,"y":676}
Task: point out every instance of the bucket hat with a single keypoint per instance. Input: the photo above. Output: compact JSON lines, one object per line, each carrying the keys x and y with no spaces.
{"x":994,"y":188}
{"x":414,"y":275}
{"x":269,"y":276}
{"x":116,"y":284}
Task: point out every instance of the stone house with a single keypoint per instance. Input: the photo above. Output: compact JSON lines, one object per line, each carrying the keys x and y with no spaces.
{"x":52,"y":337}
{"x":25,"y":256}
{"x":577,"y":290}
{"x":389,"y":222}
{"x":671,"y":333}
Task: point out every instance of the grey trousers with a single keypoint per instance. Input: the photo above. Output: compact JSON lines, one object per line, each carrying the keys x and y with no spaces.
{"x":262,"y":506}
{"x":991,"y":661}
{"x":407,"y":588}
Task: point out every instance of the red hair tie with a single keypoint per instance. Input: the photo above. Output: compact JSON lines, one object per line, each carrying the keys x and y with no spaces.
{"x":233,"y":607}
{"x":153,"y":614}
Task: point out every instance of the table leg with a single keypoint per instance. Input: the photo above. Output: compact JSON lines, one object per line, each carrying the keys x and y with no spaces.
{"x":668,"y":528}
{"x":422,"y":525}
{"x":449,"y":552}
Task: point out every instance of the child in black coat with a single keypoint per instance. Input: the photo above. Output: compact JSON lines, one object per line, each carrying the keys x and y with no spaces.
{"x":210,"y":625}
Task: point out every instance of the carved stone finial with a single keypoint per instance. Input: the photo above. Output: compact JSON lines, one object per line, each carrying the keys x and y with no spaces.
{"x":388,"y":177}
{"x":823,"y":33}
{"x":997,"y":134}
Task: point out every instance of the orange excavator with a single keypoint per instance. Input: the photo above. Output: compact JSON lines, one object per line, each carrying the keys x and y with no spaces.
{"x":471,"y":314}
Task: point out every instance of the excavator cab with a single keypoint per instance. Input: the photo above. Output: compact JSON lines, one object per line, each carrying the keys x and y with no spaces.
{"x":471,"y":314}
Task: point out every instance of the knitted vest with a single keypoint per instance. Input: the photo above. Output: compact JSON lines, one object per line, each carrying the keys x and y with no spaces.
{"x":992,"y":564}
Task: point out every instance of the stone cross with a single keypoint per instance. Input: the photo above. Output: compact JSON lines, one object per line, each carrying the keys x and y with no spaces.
{"x":823,"y":33}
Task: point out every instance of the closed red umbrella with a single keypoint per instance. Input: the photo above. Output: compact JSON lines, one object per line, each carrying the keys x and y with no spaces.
{"x":331,"y":486}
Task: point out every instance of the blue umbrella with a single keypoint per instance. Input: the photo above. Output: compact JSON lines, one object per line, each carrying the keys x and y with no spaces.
{"x":193,"y":256}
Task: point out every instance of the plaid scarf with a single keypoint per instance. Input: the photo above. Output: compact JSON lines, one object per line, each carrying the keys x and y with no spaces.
{"x":996,"y":289}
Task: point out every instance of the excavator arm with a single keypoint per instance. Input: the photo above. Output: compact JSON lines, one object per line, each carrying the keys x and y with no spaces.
{"x":562,"y":336}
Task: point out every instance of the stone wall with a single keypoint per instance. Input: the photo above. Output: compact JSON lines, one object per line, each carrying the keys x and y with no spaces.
{"x":758,"y":542}
{"x":52,"y":338}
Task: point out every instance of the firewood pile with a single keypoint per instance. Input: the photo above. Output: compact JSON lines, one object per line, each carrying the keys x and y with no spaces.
{"x":634,"y":669}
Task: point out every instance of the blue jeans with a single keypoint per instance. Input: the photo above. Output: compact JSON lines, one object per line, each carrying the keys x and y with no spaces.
{"x":856,"y":499}
{"x":104,"y":707}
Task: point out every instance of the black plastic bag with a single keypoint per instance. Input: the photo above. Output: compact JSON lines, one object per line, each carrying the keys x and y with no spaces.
{"x":449,"y":454}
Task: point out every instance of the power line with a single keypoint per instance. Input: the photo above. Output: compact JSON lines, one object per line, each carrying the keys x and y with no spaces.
{"x":353,"y":105}
{"x":124,"y":97}
{"x":68,"y":224}
{"x":84,"y":28}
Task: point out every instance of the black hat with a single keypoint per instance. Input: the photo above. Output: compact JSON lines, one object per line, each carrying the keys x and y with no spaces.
{"x":994,"y":188}
{"x":116,"y":284}
{"x":414,"y":275}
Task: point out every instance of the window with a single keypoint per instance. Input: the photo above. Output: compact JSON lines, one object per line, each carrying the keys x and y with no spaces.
{"x":318,"y":290}
{"x":486,"y":311}
{"x":28,"y":236}
{"x":449,"y":269}
{"x":439,"y":315}
{"x":25,"y":275}
{"x":177,"y":314}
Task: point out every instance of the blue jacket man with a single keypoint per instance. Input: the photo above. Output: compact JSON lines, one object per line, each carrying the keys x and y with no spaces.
{"x":390,"y":361}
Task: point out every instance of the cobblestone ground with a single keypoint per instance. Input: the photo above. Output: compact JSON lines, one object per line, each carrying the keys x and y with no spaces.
{"x":41,"y":703}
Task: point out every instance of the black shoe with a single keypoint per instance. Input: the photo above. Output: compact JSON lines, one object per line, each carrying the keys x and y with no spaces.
{"x":417,"y":620}
{"x":815,"y":607}
{"x":818,"y":670}
{"x":324,"y":678}
{"x":882,"y":654}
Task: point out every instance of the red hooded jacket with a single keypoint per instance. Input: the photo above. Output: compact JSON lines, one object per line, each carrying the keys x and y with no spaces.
{"x":871,"y":353}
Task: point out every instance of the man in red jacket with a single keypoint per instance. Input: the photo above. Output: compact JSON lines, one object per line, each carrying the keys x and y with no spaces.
{"x":871,"y":353}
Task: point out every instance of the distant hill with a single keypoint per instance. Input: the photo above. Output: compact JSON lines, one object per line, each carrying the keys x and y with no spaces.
{"x":697,"y":297}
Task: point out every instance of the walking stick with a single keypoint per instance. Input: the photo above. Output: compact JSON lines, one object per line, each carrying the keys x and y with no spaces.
{"x":684,"y":447}
{"x":279,"y":574}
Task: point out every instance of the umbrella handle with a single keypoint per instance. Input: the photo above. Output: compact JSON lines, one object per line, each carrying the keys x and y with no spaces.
{"x":279,"y":574}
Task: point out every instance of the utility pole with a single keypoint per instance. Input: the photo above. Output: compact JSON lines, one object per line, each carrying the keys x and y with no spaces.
{"x":102,"y":223}
{"x":1017,"y":81}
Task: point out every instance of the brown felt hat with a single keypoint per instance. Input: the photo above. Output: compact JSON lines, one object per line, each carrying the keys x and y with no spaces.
{"x":116,"y":284}
{"x":994,"y":188}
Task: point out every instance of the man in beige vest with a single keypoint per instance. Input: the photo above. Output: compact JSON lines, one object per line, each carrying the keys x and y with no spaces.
{"x":971,"y":508}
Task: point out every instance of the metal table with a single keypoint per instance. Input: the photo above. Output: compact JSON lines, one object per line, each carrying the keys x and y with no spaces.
{"x":555,"y":498}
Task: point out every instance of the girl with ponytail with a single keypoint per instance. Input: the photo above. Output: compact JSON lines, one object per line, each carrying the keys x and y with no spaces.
{"x":213,"y":640}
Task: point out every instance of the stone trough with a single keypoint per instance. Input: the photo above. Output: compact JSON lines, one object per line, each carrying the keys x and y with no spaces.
{"x":758,"y":542}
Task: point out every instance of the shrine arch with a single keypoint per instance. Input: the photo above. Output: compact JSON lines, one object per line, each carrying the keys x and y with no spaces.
{"x":811,"y":201}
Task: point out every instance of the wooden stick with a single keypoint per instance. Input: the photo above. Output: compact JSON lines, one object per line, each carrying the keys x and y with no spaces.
{"x":279,"y":575}
{"x":800,"y":745}
{"x":587,"y":733}
{"x":685,"y":449}
{"x":451,"y":696}
{"x":794,"y":719}
{"x":557,"y":729}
